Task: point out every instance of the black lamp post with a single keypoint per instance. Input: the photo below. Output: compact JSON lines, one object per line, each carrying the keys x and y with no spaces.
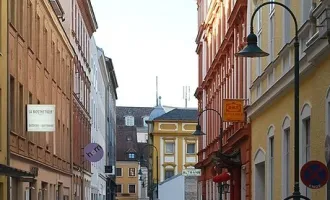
{"x":199,"y":132}
{"x":252,"y":50}
{"x":157,"y":164}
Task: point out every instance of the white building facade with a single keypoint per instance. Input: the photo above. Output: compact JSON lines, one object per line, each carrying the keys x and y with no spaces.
{"x":99,"y":79}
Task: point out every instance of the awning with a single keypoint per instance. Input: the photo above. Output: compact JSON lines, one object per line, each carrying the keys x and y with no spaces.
{"x":225,"y":176}
{"x":13,"y":172}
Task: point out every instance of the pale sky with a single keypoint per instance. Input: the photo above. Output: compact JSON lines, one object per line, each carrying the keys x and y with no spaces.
{"x":149,"y":38}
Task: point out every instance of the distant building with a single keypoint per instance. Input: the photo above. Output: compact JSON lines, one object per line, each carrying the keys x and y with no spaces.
{"x":127,"y":164}
{"x":172,"y":135}
{"x":135,"y":116}
{"x":110,"y":113}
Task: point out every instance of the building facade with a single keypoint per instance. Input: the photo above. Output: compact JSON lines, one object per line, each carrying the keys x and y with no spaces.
{"x":3,"y":97}
{"x":41,"y":72}
{"x":99,"y":82}
{"x":271,"y":112}
{"x":221,"y":33}
{"x":79,"y":24}
{"x":110,"y":112}
{"x":135,"y":116}
{"x":127,"y":164}
{"x":177,"y":148}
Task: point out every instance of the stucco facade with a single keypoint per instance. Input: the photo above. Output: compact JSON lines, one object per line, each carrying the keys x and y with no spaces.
{"x":127,"y":179}
{"x":79,"y":24}
{"x":41,"y":72}
{"x":99,"y":81}
{"x":271,"y":111}
{"x":221,"y":33}
{"x":3,"y":96}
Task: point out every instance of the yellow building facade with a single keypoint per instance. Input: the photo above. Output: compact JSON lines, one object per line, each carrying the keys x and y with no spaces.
{"x":127,"y":180}
{"x":176,"y":146}
{"x":271,"y":110}
{"x":3,"y":94}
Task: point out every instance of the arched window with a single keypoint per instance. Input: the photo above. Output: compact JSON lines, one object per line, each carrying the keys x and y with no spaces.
{"x":270,"y":153}
{"x":259,"y":175}
{"x":305,"y":141}
{"x":129,"y":121}
{"x":286,"y":157}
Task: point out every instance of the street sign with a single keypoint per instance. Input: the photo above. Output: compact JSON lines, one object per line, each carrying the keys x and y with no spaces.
{"x":191,"y":172}
{"x":314,"y":174}
{"x":93,"y":152}
{"x":233,"y":110}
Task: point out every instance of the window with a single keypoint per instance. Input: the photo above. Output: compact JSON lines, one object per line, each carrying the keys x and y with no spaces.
{"x":119,"y":172}
{"x":131,"y":172}
{"x":12,"y":10}
{"x":169,"y":173}
{"x":305,"y":146}
{"x":129,"y":121}
{"x":131,"y":155}
{"x":286,"y":157}
{"x":271,"y":36}
{"x":12,"y":105}
{"x":131,"y":188}
{"x":144,"y":121}
{"x":21,"y":108}
{"x":271,"y":7}
{"x":119,"y":188}
{"x":191,"y":148}
{"x":29,"y":25}
{"x":169,"y":148}
{"x":286,"y":21}
{"x":286,"y":162}
{"x":305,"y":8}
{"x":270,"y":170}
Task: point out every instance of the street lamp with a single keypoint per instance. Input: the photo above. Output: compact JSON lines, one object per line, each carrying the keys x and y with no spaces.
{"x":142,"y":160}
{"x":252,"y":50}
{"x":199,"y":132}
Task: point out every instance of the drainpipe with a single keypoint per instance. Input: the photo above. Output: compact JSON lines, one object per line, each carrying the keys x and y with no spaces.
{"x":8,"y":113}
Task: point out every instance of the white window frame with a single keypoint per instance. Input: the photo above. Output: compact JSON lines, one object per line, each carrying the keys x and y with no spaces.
{"x":286,"y":62}
{"x":305,"y":9}
{"x":270,"y":162}
{"x":194,"y":148}
{"x":305,"y":115}
{"x":259,"y":40}
{"x":129,"y":120}
{"x":286,"y":133}
{"x":287,"y":23}
{"x":134,"y":189}
{"x":145,"y":118}
{"x":271,"y":35}
{"x":134,"y":172}
{"x":169,"y":142}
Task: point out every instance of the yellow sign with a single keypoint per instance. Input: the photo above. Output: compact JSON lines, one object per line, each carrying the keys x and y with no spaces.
{"x":233,"y":110}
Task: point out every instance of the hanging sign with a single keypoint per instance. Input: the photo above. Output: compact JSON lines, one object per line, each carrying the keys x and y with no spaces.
{"x":93,"y":152}
{"x":40,"y":118}
{"x":314,"y":174}
{"x":233,"y":110}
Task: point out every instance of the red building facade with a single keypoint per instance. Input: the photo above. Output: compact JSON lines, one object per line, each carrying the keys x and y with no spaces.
{"x":221,"y":33}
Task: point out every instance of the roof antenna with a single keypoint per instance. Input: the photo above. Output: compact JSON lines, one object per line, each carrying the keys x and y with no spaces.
{"x":160,"y":100}
{"x":156,"y":90}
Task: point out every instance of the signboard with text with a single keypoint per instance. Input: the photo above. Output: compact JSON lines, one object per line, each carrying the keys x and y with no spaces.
{"x":191,"y":172}
{"x":40,"y":118}
{"x":233,"y":110}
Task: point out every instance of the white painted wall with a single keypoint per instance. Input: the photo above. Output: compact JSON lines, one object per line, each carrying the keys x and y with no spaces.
{"x":98,"y":129}
{"x":172,"y":189}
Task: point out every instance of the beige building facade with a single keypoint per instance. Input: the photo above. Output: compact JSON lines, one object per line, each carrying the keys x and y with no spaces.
{"x":127,"y":180}
{"x":41,"y":72}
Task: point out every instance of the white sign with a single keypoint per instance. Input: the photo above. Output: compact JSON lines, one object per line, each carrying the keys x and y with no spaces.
{"x":40,"y":118}
{"x":192,"y":172}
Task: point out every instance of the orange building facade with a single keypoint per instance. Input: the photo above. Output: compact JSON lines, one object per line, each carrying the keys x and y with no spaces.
{"x":40,"y":60}
{"x":221,"y":75}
